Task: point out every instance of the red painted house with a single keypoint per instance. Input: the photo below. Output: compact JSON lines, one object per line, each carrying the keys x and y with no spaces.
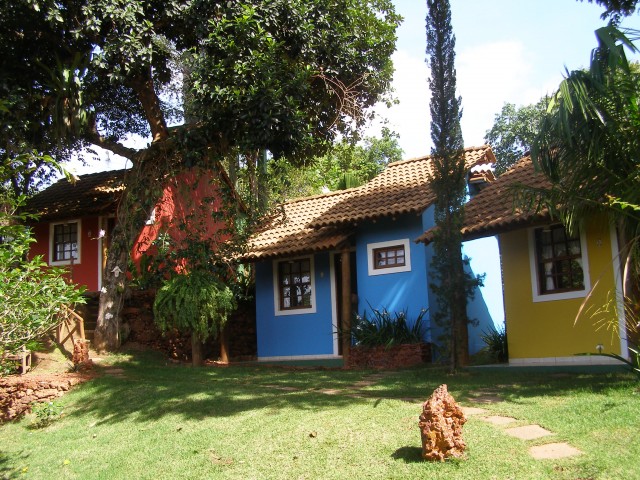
{"x":76,"y":219}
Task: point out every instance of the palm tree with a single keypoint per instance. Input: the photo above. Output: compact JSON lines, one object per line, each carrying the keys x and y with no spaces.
{"x":589,"y":147}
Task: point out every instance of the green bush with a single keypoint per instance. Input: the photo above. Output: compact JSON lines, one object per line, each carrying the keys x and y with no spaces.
{"x":496,"y":344}
{"x":196,"y":302}
{"x":46,"y":413}
{"x":32,"y":295}
{"x":387,"y":329}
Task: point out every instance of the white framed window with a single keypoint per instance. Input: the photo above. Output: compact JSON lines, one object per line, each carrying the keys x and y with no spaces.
{"x":65,"y":242}
{"x":389,"y":257}
{"x":558,"y":263}
{"x":294,"y":286}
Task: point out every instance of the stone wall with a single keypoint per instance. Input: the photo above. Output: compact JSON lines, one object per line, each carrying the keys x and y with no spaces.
{"x":138,"y":326}
{"x":397,"y":356}
{"x":18,"y":393}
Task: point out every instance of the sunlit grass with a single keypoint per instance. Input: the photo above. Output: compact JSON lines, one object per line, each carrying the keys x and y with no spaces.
{"x":163,"y":420}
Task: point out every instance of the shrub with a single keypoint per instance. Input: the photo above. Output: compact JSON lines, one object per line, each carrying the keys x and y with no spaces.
{"x":496,"y":344}
{"x":32,"y":295}
{"x":46,"y":413}
{"x":196,"y":302}
{"x":387,"y":329}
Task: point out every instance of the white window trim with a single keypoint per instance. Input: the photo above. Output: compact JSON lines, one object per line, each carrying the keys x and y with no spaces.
{"x":76,"y":260}
{"x":276,"y":289}
{"x":549,"y":297}
{"x":385,"y":271}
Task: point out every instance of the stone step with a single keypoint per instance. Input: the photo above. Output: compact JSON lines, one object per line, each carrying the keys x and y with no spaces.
{"x":88,"y":334}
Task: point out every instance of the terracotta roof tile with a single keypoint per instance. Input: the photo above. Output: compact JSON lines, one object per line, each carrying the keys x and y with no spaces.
{"x":492,"y":211}
{"x":403,"y":187}
{"x":287,"y":232}
{"x":92,"y":194}
{"x":323,"y":222}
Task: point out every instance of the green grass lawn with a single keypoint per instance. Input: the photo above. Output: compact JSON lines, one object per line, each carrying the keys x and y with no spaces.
{"x":167,"y":421}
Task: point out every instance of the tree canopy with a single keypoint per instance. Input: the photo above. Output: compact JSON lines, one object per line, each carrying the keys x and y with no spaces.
{"x":513,"y":132}
{"x":286,"y":76}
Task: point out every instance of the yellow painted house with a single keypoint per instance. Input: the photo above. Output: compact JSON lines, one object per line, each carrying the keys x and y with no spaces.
{"x":561,"y":292}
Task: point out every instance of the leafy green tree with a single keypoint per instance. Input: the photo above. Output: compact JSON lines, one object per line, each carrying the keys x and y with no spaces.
{"x":32,"y":296}
{"x":195,"y":302}
{"x":513,"y":132}
{"x":616,"y":9}
{"x":451,"y":285}
{"x":345,"y":165}
{"x":285,"y":76}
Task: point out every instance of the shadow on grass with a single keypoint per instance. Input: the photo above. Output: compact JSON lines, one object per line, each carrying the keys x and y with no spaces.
{"x":151,"y":388}
{"x":6,"y":471}
{"x":408,"y":454}
{"x":510,"y":384}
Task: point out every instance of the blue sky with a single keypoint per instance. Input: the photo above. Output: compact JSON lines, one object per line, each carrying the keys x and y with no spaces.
{"x":506,"y":51}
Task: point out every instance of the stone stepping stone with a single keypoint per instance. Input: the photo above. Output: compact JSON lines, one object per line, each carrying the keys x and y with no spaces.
{"x":553,"y":451}
{"x":364,"y":383}
{"x":284,"y":389}
{"x":473,"y":411}
{"x":498,"y":420}
{"x":115,"y":372}
{"x":528,"y":432}
{"x":331,"y":391}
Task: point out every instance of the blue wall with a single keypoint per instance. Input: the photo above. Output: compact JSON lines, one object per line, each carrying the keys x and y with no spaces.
{"x":394,"y":291}
{"x":299,"y":334}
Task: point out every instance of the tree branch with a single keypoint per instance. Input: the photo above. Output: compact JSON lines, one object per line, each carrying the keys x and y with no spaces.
{"x":145,"y":90}
{"x":94,"y":137}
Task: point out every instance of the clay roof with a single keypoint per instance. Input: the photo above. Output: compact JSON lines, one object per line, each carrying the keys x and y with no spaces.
{"x":287,"y":231}
{"x":492,"y":211}
{"x":403,"y":187}
{"x":323,"y":222}
{"x":92,"y":194}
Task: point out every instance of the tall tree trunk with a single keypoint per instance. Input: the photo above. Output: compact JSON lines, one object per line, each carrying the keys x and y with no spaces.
{"x":345,"y":259}
{"x":107,"y":333}
{"x":196,"y":350}
{"x":143,"y":188}
{"x":262,"y":180}
{"x":224,"y":344}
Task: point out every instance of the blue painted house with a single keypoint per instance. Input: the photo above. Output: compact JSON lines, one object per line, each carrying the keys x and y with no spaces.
{"x":364,"y":235}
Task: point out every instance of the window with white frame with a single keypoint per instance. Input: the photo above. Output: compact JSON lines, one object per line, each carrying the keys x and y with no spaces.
{"x":389,"y":257}
{"x":65,"y":243}
{"x":559,"y":263}
{"x":294,"y":286}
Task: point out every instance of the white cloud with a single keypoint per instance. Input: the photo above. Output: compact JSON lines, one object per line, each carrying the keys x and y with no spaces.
{"x":488,"y":76}
{"x":410,"y":118}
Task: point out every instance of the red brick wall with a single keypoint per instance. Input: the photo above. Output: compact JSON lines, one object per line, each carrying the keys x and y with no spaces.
{"x":397,"y":356}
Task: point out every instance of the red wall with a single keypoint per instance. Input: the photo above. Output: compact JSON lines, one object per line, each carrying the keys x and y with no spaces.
{"x":188,"y":199}
{"x":191,"y":199}
{"x":84,"y":271}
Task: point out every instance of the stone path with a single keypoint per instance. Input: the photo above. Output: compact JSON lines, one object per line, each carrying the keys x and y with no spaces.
{"x":479,"y":397}
{"x":525,"y":432}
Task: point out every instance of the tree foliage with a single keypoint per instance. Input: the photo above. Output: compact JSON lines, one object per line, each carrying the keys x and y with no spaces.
{"x":195,"y":302}
{"x":589,"y":148}
{"x":32,"y":296}
{"x":513,"y":132}
{"x":286,"y":76}
{"x":616,"y":9}
{"x":451,"y":285}
{"x":345,"y":165}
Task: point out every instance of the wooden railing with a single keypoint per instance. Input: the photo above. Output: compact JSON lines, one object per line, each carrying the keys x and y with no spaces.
{"x":70,"y":329}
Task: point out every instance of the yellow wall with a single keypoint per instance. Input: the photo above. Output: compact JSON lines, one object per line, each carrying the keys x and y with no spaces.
{"x":547,"y":329}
